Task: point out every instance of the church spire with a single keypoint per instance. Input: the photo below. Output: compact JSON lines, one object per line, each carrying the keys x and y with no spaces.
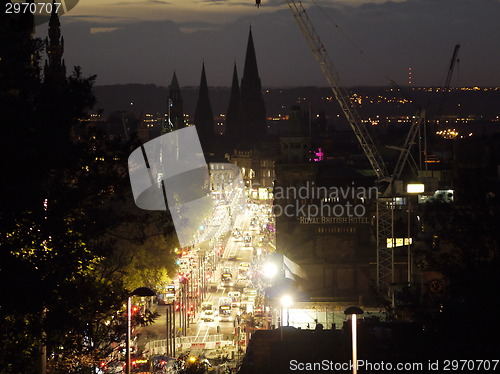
{"x":250,"y":83}
{"x":175,"y":105}
{"x":252,"y":110}
{"x":203,"y":115}
{"x":232,"y":109}
{"x":174,"y":85}
{"x":55,"y":69}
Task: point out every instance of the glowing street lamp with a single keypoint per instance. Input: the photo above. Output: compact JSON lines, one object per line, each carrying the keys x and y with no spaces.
{"x":141,"y":291}
{"x":270,"y":270}
{"x":411,"y":189}
{"x":353,"y":311}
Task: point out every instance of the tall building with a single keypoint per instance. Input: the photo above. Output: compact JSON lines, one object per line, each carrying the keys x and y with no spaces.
{"x":246,"y":129}
{"x":203,"y":115}
{"x":251,"y":108}
{"x":323,"y":219}
{"x":55,"y":69}
{"x":175,"y":106}
{"x":295,"y":144}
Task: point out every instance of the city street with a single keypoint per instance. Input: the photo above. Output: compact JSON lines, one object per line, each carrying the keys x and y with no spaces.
{"x":229,"y":268}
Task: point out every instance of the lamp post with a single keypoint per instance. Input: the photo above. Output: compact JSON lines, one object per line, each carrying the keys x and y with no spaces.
{"x":269,"y":271}
{"x":411,"y":189}
{"x":141,"y":291}
{"x":353,"y":311}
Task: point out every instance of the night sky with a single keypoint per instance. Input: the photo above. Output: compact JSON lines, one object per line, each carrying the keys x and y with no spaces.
{"x":144,"y":41}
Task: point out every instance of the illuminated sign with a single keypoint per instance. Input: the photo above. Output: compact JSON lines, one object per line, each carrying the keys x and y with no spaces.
{"x":399,"y":242}
{"x":415,"y":188}
{"x":332,"y":220}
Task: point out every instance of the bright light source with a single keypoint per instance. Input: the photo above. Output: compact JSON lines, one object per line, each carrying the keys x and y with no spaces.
{"x":415,"y":188}
{"x":269,"y":270}
{"x":286,"y":301}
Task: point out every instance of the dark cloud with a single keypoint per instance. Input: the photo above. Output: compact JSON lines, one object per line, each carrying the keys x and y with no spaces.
{"x":86,"y":17}
{"x":264,"y":3}
{"x":215,"y":1}
{"x":144,"y":2}
{"x":367,"y":43}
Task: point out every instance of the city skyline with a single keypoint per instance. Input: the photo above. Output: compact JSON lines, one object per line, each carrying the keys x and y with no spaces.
{"x":370,"y":44}
{"x":194,"y":228}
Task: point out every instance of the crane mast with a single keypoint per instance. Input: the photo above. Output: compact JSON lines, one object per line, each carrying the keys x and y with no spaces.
{"x":446,"y":87}
{"x":331,"y":75}
{"x":387,"y":203}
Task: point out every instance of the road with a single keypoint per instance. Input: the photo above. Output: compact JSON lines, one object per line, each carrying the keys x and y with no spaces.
{"x":251,"y":221}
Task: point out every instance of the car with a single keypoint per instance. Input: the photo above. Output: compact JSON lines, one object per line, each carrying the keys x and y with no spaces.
{"x":235,"y":298}
{"x":244,"y":271}
{"x":236,"y":233}
{"x":249,"y":293}
{"x":225,"y":309}
{"x":226,"y":279}
{"x":115,"y":367}
{"x":208,"y":315}
{"x":247,"y":239}
{"x":207,"y":306}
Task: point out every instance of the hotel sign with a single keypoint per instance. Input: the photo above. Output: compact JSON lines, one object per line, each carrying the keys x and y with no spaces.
{"x":332,"y":220}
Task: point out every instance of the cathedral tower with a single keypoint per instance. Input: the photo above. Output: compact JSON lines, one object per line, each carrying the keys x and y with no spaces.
{"x":203,"y":115}
{"x":175,"y":107}
{"x":252,"y":111}
{"x":232,"y":115}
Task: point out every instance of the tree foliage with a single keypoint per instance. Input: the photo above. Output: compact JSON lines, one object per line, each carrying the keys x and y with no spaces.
{"x":65,"y":270}
{"x":462,"y":250}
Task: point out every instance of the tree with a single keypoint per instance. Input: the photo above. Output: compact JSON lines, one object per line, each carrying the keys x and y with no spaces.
{"x":61,"y":289}
{"x":462,"y":248}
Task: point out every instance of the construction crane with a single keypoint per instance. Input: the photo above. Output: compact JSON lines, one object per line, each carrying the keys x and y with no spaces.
{"x":386,"y":204}
{"x":446,"y":87}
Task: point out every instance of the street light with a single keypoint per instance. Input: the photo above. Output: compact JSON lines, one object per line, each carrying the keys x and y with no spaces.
{"x":269,"y":270}
{"x":141,"y":291}
{"x":353,"y":311}
{"x":411,"y":189}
